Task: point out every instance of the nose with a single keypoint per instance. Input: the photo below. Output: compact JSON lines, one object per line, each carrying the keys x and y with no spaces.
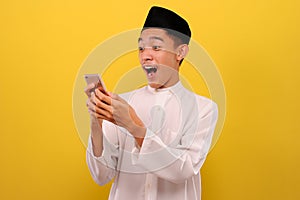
{"x":146,"y":55}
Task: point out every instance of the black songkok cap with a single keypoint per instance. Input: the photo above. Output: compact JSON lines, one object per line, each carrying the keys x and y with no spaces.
{"x":159,"y":17}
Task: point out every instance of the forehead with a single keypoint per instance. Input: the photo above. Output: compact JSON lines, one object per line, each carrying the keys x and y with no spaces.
{"x":154,"y":34}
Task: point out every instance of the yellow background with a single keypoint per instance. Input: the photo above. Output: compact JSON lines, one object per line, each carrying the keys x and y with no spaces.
{"x":255,"y":45}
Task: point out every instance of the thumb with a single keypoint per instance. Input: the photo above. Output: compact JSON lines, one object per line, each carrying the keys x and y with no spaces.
{"x":116,"y":97}
{"x":110,"y":93}
{"x":113,"y":95}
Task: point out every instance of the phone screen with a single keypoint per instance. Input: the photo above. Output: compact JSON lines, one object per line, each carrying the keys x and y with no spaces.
{"x":95,"y":78}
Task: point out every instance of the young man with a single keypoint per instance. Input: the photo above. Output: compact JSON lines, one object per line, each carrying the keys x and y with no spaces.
{"x":154,"y":140}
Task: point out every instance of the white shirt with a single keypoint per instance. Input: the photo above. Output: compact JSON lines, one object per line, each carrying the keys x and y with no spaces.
{"x":180,"y":125}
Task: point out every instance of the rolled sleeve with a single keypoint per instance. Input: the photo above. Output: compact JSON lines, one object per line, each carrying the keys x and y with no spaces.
{"x":179,"y":162}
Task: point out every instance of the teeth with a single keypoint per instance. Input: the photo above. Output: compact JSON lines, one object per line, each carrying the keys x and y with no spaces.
{"x":150,"y":68}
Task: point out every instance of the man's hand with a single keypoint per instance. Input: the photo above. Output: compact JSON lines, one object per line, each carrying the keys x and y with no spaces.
{"x":96,"y":123}
{"x":113,"y":108}
{"x":96,"y":108}
{"x":124,"y":115}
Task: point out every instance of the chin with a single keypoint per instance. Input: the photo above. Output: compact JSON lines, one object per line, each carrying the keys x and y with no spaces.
{"x":155,"y":85}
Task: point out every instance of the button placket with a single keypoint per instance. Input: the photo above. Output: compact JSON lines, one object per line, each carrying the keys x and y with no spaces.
{"x":148,"y":184}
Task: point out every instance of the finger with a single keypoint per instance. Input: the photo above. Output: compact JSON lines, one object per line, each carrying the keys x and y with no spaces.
{"x":95,"y":114}
{"x":88,"y":88}
{"x":96,"y":105}
{"x":99,"y":107}
{"x":103,"y":116}
{"x":103,"y":112}
{"x":87,"y":102}
{"x":98,"y":112}
{"x":109,"y":93}
{"x":90,"y":105}
{"x":102,"y":105}
{"x":102,"y":90}
{"x":117,"y":97}
{"x":93,"y":99}
{"x":91,"y":102}
{"x":102,"y":97}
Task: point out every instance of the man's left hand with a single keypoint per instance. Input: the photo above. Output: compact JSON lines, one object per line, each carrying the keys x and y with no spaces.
{"x":124,"y":115}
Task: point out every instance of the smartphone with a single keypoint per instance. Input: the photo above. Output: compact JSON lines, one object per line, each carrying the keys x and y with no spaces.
{"x":95,"y":78}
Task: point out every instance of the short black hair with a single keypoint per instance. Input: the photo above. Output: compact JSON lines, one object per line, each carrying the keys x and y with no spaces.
{"x":178,"y":39}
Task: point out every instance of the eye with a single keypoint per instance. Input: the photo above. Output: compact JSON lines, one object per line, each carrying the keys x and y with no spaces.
{"x":156,"y":48}
{"x":141,"y":48}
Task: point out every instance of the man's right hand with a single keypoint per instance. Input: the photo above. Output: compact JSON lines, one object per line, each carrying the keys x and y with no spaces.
{"x":91,"y":105}
{"x":99,"y":106}
{"x":96,"y":122}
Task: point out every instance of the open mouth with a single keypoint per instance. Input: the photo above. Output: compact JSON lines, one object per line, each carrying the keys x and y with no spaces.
{"x":150,"y":68}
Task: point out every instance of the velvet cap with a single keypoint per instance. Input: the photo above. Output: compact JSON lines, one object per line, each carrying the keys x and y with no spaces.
{"x":159,"y":17}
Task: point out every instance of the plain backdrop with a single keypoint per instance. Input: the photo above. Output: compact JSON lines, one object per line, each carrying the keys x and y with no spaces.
{"x":255,"y":45}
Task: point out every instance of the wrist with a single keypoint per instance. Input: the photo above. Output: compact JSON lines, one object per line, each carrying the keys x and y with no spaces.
{"x":138,"y":131}
{"x":95,"y":125}
{"x":95,"y":121}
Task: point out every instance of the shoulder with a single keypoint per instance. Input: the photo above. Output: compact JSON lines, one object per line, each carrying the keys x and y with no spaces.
{"x":202,"y":104}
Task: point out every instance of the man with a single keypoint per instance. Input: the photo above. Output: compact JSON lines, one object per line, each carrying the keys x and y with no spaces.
{"x":154,"y":140}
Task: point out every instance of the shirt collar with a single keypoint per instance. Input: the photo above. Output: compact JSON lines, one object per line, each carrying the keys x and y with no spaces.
{"x":173,"y":89}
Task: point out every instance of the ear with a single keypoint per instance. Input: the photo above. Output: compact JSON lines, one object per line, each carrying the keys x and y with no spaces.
{"x":182,"y":51}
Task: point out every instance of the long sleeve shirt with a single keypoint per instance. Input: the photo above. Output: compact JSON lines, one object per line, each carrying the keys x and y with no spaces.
{"x":180,"y":125}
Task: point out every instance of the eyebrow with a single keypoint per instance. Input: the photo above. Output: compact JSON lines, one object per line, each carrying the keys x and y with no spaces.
{"x":152,"y":38}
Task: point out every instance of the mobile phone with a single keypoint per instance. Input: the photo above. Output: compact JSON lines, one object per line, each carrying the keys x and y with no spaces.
{"x":95,"y":78}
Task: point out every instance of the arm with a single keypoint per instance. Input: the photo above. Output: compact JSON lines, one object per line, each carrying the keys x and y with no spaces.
{"x":103,"y":167}
{"x":101,"y":155}
{"x":183,"y":159}
{"x":119,"y":112}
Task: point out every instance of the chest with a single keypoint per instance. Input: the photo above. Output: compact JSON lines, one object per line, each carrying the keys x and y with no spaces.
{"x":159,"y":112}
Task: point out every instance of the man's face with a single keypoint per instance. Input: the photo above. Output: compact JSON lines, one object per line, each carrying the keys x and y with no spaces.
{"x":158,"y":57}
